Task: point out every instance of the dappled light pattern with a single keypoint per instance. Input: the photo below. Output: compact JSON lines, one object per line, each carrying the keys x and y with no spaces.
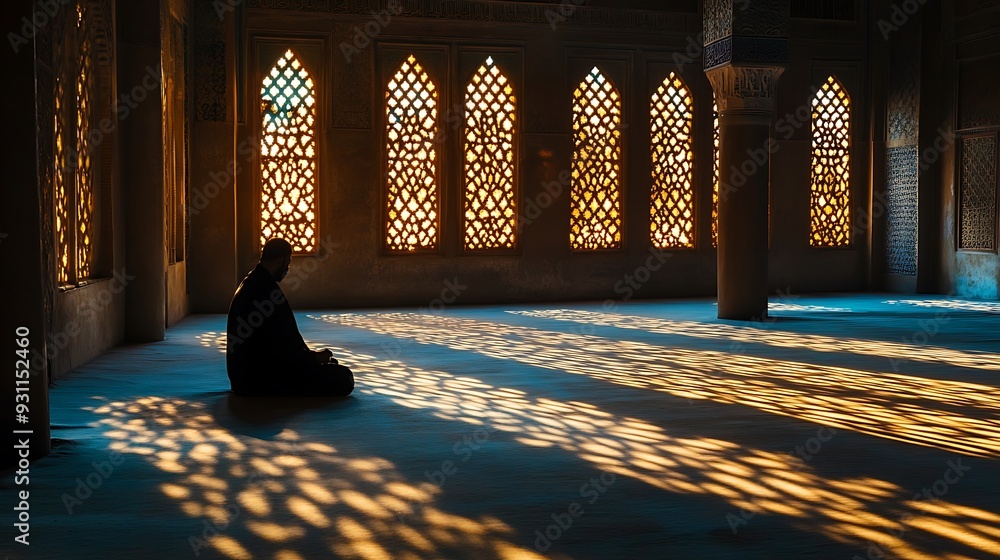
{"x":716,"y":167}
{"x":86,"y":85}
{"x":893,"y":352}
{"x":852,"y":510}
{"x":831,"y":166}
{"x":411,"y":119}
{"x":490,"y":162}
{"x":672,"y":121}
{"x":596,"y":219}
{"x":288,"y":155}
{"x":291,"y":498}
{"x":950,"y":305}
{"x":949,"y":415}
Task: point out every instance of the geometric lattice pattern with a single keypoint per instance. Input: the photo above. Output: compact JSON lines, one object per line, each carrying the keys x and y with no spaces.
{"x":85,"y":94}
{"x":978,"y":198}
{"x":596,"y":219}
{"x":716,"y":170}
{"x":490,"y":204}
{"x":830,"y":204}
{"x":412,"y":115}
{"x":288,"y":155}
{"x":63,"y":199}
{"x":901,"y":214}
{"x":672,"y":117}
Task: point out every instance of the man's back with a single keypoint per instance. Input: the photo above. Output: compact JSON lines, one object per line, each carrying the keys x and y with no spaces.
{"x":261,"y":333}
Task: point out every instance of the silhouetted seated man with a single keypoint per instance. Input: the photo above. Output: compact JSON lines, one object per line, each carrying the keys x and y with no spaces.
{"x":265,"y":354}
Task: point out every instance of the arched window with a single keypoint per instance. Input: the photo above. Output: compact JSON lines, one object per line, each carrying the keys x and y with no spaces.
{"x":716,"y":166}
{"x":490,"y":203}
{"x":672,"y":210}
{"x":411,"y":121}
{"x":596,"y":219}
{"x":830,"y":203}
{"x":288,"y":155}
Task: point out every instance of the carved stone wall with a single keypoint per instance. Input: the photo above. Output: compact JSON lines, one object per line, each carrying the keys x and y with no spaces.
{"x":490,"y":11}
{"x":353,"y":72}
{"x":904,"y":98}
{"x":740,"y":87}
{"x":209,"y":64}
{"x":824,"y":9}
{"x":901,"y":211}
{"x":979,"y":90}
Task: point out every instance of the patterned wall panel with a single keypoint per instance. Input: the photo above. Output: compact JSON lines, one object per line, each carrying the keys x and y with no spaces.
{"x":718,"y":20}
{"x":978,"y":195}
{"x":573,"y":13}
{"x":353,"y":67}
{"x":901,"y":211}
{"x":209,"y":64}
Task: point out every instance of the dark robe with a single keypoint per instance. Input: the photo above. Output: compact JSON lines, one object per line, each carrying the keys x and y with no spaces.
{"x":265,"y":354}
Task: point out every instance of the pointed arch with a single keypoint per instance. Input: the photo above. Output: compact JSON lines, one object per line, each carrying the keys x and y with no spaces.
{"x":672,"y":126}
{"x":830,"y":207}
{"x":288,"y":155}
{"x":412,"y":183}
{"x":596,"y":218}
{"x":490,"y":162}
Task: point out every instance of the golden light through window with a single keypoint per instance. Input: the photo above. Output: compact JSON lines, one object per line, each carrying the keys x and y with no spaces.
{"x":288,"y":155}
{"x":84,"y":163}
{"x":672,"y":209}
{"x":596,"y":221}
{"x":490,"y":204}
{"x":62,"y":194}
{"x":717,"y":168}
{"x":411,"y":120}
{"x":830,"y":204}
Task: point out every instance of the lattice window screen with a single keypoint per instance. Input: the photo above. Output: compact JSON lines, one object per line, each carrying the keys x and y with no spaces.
{"x":716,"y":170}
{"x":85,"y":95}
{"x":596,"y":220}
{"x":288,"y":155}
{"x":978,"y":197}
{"x":672,"y":209}
{"x":412,"y":120}
{"x":830,"y":202}
{"x":490,"y":162}
{"x":66,"y":245}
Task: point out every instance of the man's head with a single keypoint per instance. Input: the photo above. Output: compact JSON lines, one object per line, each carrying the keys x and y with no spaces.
{"x":276,"y":256}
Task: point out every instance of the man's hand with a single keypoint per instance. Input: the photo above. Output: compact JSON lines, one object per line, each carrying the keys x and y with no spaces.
{"x":324,"y":356}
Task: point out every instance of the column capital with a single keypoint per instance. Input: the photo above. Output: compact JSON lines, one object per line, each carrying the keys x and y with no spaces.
{"x":745,"y":88}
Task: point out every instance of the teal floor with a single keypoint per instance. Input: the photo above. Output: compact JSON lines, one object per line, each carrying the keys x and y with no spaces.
{"x":843,"y":427}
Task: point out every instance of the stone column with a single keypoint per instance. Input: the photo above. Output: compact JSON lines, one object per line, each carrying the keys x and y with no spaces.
{"x":746,"y":50}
